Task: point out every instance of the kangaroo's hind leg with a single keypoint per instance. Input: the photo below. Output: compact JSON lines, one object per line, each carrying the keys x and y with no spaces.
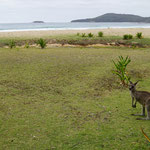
{"x":148,"y":114}
{"x":142,"y":114}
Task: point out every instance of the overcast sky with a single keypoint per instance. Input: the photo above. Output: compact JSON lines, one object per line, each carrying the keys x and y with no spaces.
{"x":67,"y":10}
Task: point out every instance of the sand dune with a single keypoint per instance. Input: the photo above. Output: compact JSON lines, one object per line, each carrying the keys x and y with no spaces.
{"x":108,"y":31}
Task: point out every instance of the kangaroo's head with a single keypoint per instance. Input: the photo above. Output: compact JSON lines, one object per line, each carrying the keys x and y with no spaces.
{"x":132,"y":86}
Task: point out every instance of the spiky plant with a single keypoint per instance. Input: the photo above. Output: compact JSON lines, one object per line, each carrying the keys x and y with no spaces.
{"x":139,"y":35}
{"x":90,"y":35}
{"x":27,"y":45}
{"x":121,"y":69}
{"x":12,"y":44}
{"x":83,"y":35}
{"x":130,"y":36}
{"x":42,"y":43}
{"x":78,"y":34}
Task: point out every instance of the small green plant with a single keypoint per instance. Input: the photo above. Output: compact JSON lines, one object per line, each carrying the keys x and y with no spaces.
{"x":130,"y":36}
{"x":83,"y":35}
{"x":133,"y":46}
{"x":100,"y":34}
{"x":121,"y":67}
{"x":42,"y":43}
{"x":139,"y":35}
{"x":125,"y":37}
{"x":90,"y":35}
{"x":12,"y":44}
{"x":27,"y":45}
{"x":78,"y":34}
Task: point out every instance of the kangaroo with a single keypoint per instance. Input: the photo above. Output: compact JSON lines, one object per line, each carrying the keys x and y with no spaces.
{"x":143,"y":98}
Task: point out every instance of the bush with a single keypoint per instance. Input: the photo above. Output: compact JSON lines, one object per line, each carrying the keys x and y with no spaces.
{"x":139,"y":35}
{"x":12,"y":44}
{"x":42,"y":43}
{"x":130,"y":36}
{"x":90,"y":35}
{"x":83,"y":35}
{"x":100,"y":34}
{"x":27,"y":45}
{"x":78,"y":34}
{"x":127,"y":37}
{"x":120,"y":71}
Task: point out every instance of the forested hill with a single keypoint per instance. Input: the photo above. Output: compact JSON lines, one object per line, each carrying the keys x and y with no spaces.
{"x":112,"y":17}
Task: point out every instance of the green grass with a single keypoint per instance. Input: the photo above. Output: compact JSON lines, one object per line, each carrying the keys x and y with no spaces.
{"x":68,"y":99}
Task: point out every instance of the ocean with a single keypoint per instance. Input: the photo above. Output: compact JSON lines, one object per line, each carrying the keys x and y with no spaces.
{"x":11,"y":27}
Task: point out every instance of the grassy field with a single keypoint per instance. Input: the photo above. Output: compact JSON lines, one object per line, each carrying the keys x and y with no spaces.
{"x":68,"y":99}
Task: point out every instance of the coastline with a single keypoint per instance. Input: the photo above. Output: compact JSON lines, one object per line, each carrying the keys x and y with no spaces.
{"x":48,"y":33}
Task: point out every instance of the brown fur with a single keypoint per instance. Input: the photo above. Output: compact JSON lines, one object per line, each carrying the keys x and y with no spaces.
{"x":143,"y":97}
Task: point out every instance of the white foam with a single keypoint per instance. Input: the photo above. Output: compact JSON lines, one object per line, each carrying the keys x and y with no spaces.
{"x":73,"y":26}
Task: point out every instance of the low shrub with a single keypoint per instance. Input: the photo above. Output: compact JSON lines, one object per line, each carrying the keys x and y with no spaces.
{"x":83,"y":35}
{"x":12,"y":44}
{"x":90,"y":35}
{"x":27,"y":45}
{"x":78,"y":34}
{"x":100,"y":34}
{"x":127,"y":37}
{"x":121,"y":69}
{"x":130,"y":36}
{"x":42,"y":43}
{"x":139,"y":35}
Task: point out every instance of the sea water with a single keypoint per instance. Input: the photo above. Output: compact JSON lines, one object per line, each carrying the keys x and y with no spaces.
{"x":10,"y":27}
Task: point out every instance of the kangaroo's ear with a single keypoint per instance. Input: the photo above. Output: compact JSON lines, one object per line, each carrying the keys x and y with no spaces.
{"x":136,"y":82}
{"x":130,"y":82}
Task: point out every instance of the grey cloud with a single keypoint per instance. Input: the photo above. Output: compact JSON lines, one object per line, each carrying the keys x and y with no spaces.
{"x":66,"y":10}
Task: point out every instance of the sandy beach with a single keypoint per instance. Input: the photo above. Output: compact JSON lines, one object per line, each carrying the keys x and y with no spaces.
{"x":46,"y":33}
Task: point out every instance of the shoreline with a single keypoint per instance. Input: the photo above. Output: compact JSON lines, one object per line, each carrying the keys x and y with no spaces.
{"x":73,"y":29}
{"x":48,"y":33}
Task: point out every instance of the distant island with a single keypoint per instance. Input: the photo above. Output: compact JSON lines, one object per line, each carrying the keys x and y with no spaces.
{"x":112,"y":17}
{"x":38,"y":21}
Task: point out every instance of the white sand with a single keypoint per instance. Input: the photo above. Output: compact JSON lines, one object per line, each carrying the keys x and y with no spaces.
{"x":109,"y":31}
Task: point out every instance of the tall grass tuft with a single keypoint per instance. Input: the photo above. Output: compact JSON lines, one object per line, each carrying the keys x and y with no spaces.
{"x":83,"y":35}
{"x":121,"y":66}
{"x":27,"y":45}
{"x":100,"y":34}
{"x":139,"y":35}
{"x":127,"y":37}
{"x":130,"y":36}
{"x":12,"y":44}
{"x":78,"y":34}
{"x":90,"y":35}
{"x":42,"y":43}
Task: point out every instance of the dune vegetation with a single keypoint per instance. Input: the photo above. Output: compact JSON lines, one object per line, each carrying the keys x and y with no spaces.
{"x":78,"y":39}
